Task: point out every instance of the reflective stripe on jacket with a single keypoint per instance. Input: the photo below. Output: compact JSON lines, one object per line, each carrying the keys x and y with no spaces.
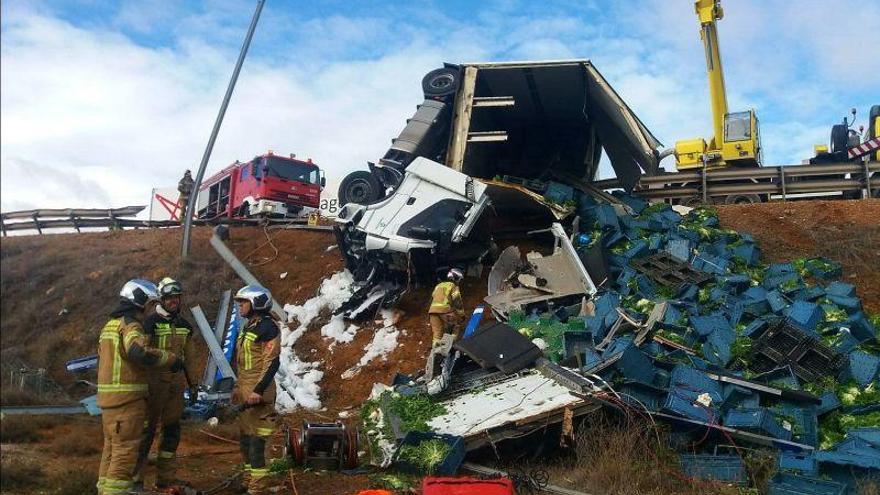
{"x":445,"y":299}
{"x":120,"y":380}
{"x":174,"y":335}
{"x":257,"y":346}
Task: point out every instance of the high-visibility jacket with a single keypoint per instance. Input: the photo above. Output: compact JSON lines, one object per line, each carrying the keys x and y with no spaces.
{"x":123,"y":358}
{"x":257,"y":351}
{"x":446,"y":299}
{"x":172,"y":333}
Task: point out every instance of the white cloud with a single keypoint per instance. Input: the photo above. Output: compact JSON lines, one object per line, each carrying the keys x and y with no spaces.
{"x":115,"y":116}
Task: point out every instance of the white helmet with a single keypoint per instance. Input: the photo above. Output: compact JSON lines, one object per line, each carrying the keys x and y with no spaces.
{"x":139,"y":292}
{"x":169,"y":287}
{"x":455,"y":274}
{"x":259,"y":297}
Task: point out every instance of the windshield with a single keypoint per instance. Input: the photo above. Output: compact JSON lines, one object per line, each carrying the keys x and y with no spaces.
{"x":738,"y":127}
{"x":289,"y":170}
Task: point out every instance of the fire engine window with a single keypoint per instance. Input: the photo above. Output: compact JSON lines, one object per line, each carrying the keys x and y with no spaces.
{"x":256,"y":169}
{"x":244,"y":174}
{"x":291,"y":170}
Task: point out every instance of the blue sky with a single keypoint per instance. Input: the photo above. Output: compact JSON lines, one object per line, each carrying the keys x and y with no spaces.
{"x":103,"y":100}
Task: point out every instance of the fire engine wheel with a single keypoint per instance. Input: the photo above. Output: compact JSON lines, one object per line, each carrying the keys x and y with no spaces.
{"x":358,"y":187}
{"x":742,"y":199}
{"x":244,"y":210}
{"x":440,"y":82}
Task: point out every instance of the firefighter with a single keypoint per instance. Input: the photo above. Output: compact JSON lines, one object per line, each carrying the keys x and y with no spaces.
{"x":123,"y":360}
{"x":257,"y":350}
{"x":185,"y":188}
{"x":167,"y":330}
{"x":446,"y":311}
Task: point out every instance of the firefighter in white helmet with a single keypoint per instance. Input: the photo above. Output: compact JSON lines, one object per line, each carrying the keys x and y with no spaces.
{"x":446,"y":311}
{"x":257,"y":350}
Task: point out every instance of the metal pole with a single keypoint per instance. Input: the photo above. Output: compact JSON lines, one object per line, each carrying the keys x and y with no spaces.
{"x":867,"y":180}
{"x":191,"y":204}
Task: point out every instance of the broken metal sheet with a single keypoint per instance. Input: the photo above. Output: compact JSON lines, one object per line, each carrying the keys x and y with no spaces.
{"x":499,"y":346}
{"x":566,"y":279}
{"x":520,"y":400}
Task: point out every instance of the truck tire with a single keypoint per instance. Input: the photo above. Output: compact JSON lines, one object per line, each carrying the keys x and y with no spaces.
{"x":839,"y":138}
{"x":742,"y":199}
{"x":440,"y":82}
{"x":359,"y":187}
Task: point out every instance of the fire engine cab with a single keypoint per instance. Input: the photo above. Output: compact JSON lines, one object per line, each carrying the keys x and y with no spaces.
{"x":268,"y":185}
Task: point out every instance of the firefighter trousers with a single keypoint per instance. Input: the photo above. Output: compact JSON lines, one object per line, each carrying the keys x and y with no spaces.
{"x":165,"y":409}
{"x":256,"y":425}
{"x":444,"y":323}
{"x":122,"y":434}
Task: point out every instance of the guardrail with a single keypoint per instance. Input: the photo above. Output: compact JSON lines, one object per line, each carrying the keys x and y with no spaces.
{"x":79,"y":218}
{"x":780,"y":180}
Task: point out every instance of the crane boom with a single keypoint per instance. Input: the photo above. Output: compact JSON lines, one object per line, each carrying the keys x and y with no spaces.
{"x":708,"y":12}
{"x":735,"y":137}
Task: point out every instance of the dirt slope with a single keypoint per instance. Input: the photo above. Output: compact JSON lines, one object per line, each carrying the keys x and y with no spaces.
{"x":845,"y":231}
{"x":42,"y":276}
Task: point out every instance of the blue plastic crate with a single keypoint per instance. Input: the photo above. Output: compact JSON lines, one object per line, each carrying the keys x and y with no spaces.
{"x":749,"y":252}
{"x":558,"y":192}
{"x":863,"y":367}
{"x":829,"y":403}
{"x":792,"y":484}
{"x":607,"y":217}
{"x":841,"y":289}
{"x":802,"y":462}
{"x":810,"y":293}
{"x":756,"y":328}
{"x":756,"y":420}
{"x":693,"y":379}
{"x":776,"y":301}
{"x":851,"y":452}
{"x":710,"y":264}
{"x":868,"y":434}
{"x":680,"y":249}
{"x":806,"y":315}
{"x":727,"y":468}
{"x":736,"y":283}
{"x":636,"y":365}
{"x":683,"y":402}
{"x":641,"y":396}
{"x":705,"y":325}
{"x":736,"y":397}
{"x":450,"y":464}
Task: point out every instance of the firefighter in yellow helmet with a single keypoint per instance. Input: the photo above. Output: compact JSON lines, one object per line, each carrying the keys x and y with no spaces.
{"x":167,"y":330}
{"x":257,"y":351}
{"x":123,"y":360}
{"x":446,"y":311}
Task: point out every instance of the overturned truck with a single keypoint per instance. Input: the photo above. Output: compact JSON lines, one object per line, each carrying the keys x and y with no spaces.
{"x":488,"y":133}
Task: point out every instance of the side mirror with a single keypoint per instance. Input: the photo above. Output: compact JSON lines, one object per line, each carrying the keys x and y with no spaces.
{"x":323,"y":182}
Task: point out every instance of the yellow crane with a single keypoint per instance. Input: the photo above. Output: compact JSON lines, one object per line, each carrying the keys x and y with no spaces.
{"x":736,"y":139}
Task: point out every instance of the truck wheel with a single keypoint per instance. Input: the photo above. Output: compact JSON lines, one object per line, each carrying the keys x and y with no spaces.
{"x":244,"y":210}
{"x":742,"y":199}
{"x":839,"y":138}
{"x":440,"y":82}
{"x":358,"y":187}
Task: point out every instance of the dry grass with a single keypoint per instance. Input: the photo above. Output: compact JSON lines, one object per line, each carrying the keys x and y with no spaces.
{"x":610,"y":458}
{"x":74,"y":482}
{"x":12,"y":396}
{"x":16,"y":474}
{"x":78,"y":442}
{"x":19,"y":429}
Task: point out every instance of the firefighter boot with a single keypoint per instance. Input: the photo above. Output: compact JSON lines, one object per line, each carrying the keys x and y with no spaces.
{"x":244,"y":444}
{"x":258,"y":484}
{"x":166,"y":462}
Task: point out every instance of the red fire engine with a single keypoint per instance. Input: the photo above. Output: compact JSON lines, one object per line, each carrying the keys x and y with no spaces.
{"x":268,"y":185}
